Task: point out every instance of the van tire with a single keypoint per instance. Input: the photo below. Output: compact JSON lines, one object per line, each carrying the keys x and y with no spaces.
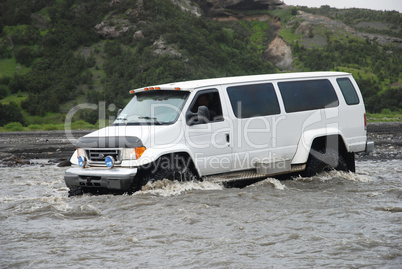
{"x":326,"y":160}
{"x":172,"y":167}
{"x":75,"y":191}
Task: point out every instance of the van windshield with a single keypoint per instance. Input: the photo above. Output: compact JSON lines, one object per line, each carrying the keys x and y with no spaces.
{"x":153,"y":108}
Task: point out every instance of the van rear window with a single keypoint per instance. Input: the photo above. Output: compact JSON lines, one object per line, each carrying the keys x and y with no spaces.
{"x":308,"y":95}
{"x":348,"y":91}
{"x":253,"y":100}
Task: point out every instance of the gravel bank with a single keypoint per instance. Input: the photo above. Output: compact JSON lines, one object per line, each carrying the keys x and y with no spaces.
{"x":28,"y":147}
{"x":387,"y":137}
{"x":54,"y":146}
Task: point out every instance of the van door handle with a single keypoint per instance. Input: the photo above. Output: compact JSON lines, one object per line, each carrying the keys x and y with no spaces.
{"x":227,"y":138}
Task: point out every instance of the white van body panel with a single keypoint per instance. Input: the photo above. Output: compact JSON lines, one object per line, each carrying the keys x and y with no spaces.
{"x":233,"y":144}
{"x":208,"y":143}
{"x":306,"y":141}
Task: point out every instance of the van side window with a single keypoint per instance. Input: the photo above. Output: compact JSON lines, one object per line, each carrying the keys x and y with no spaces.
{"x":308,"y":95}
{"x":210,"y":100}
{"x":253,"y":100}
{"x":348,"y":91}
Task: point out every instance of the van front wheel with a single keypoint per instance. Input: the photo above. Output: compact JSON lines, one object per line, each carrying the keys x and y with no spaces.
{"x":324,"y":161}
{"x":172,"y":167}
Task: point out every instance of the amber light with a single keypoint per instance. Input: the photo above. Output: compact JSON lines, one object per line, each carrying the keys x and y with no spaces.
{"x":139,"y":151}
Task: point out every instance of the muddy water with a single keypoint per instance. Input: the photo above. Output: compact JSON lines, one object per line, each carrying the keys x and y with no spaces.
{"x":332,"y":220}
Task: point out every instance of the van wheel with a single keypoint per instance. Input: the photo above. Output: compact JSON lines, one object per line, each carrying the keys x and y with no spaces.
{"x":324,"y":161}
{"x":172,"y":168}
{"x":74,"y":191}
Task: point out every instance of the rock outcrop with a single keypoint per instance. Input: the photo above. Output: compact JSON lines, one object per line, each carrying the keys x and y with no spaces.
{"x":279,"y":53}
{"x":218,"y":8}
{"x":189,"y":6}
{"x":313,"y":27}
{"x":161,"y":48}
{"x":110,"y":29}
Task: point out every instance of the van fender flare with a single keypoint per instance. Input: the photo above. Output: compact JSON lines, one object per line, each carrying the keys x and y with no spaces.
{"x":306,"y":141}
{"x":151,"y":155}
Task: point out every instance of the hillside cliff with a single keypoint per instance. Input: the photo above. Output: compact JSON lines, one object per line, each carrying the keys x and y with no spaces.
{"x":57,"y":54}
{"x":224,"y":7}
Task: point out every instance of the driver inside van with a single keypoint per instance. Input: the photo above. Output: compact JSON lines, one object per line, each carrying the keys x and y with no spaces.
{"x":205,"y":100}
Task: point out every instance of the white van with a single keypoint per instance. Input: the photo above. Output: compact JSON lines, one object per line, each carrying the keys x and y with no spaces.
{"x":225,"y":129}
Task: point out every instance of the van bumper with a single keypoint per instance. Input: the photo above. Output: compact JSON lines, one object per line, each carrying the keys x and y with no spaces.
{"x":120,"y":179}
{"x":369,"y":146}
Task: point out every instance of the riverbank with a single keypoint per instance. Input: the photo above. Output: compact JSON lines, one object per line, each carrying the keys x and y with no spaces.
{"x":387,"y":137}
{"x":29,"y":147}
{"x":55,"y":146}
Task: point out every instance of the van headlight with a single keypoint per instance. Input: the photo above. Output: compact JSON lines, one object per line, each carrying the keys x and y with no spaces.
{"x":109,"y":161}
{"x":133,"y":153}
{"x":82,"y":161}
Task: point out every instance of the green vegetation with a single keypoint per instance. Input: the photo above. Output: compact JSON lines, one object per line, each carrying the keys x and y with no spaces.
{"x":385,"y":116}
{"x":17,"y":127}
{"x":365,"y":20}
{"x":258,"y":33}
{"x":52,"y":58}
{"x":9,"y":67}
{"x":17,"y":98}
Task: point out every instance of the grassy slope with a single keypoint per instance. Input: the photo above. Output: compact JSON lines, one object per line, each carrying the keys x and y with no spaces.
{"x":9,"y":67}
{"x":53,"y":121}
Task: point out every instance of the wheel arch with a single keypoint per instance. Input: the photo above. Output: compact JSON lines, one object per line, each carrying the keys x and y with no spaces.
{"x":157,"y":155}
{"x":187,"y":158}
{"x":319,"y":139}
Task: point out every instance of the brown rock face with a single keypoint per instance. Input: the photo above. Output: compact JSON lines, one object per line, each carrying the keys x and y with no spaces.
{"x":279,"y":53}
{"x":217,"y":7}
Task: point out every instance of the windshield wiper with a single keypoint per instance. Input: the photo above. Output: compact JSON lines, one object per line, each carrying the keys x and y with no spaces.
{"x":150,"y":118}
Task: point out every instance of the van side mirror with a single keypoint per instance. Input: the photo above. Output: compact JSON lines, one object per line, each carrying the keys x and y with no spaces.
{"x":119,"y":111}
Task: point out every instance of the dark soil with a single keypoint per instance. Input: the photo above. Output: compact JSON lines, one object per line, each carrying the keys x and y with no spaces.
{"x":26,"y":147}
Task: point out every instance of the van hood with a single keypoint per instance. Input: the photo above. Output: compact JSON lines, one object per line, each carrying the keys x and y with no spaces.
{"x":131,"y":136}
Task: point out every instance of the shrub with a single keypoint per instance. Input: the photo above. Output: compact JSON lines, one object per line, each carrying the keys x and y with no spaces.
{"x":80,"y":124}
{"x":24,"y":55}
{"x":34,"y":127}
{"x":14,"y":127}
{"x":386,"y":111}
{"x":49,"y":127}
{"x":10,"y":113}
{"x":4,"y":92}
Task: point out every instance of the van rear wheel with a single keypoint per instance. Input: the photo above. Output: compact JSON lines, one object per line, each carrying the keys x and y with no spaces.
{"x":324,"y":161}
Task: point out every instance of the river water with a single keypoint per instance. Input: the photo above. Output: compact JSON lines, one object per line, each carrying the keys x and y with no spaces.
{"x":332,"y":220}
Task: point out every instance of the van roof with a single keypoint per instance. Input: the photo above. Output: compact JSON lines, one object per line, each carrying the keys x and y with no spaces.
{"x":194,"y":84}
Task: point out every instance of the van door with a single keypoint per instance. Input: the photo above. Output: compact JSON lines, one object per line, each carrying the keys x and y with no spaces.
{"x":257,"y":114}
{"x":207,"y":133}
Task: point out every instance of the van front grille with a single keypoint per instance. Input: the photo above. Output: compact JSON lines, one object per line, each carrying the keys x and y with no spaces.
{"x":99,"y":155}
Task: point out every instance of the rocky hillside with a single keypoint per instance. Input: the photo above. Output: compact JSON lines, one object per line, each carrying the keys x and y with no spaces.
{"x":57,"y":54}
{"x":314,"y":29}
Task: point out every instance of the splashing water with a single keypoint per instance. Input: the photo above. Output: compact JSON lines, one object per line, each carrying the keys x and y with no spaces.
{"x":334,"y":219}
